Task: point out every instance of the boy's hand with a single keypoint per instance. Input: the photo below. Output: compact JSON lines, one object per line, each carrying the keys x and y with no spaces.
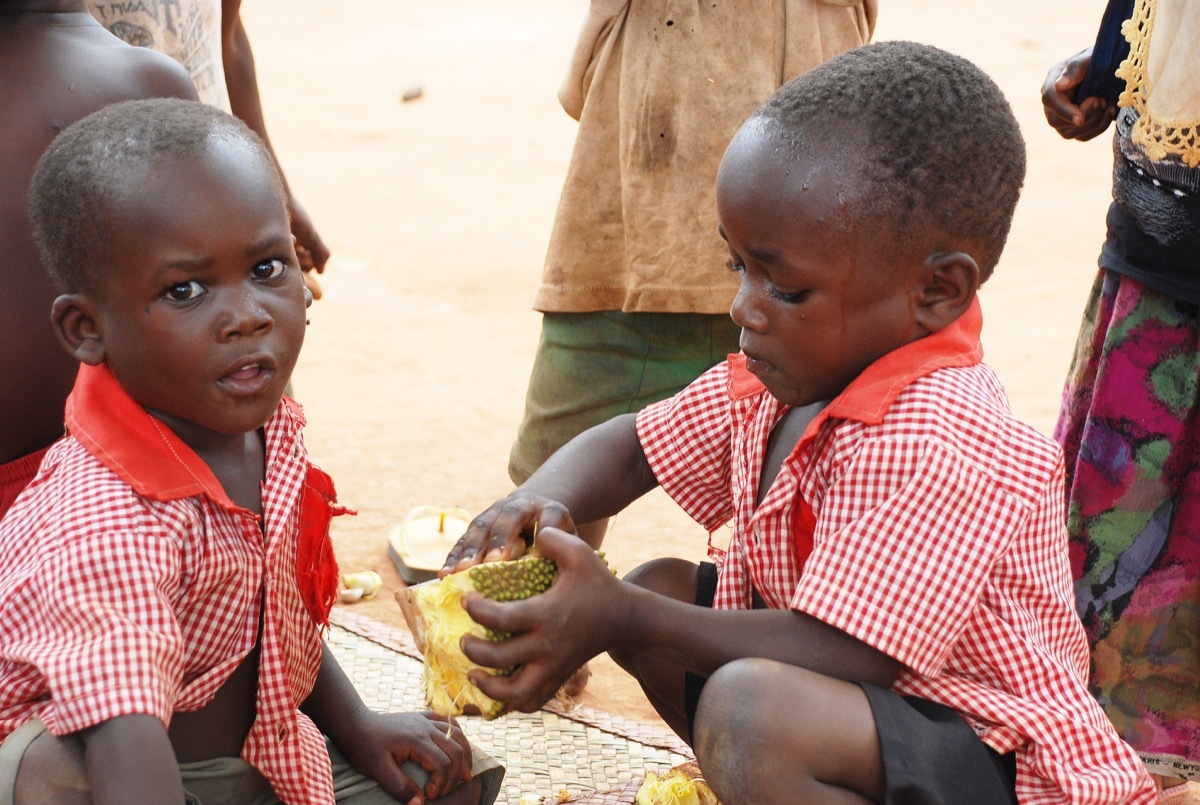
{"x":554,"y":633}
{"x":505,"y":529}
{"x":382,"y":742}
{"x":310,"y":249}
{"x":1074,"y":122}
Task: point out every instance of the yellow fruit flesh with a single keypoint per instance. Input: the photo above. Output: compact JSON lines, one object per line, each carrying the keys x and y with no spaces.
{"x":674,"y":788}
{"x":438,"y":621}
{"x":443,"y":622}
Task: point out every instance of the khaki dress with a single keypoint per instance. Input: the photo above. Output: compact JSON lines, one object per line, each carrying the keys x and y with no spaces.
{"x":659,"y":88}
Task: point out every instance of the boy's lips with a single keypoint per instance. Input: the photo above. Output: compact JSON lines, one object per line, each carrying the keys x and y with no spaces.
{"x":249,"y":375}
{"x":756,"y":365}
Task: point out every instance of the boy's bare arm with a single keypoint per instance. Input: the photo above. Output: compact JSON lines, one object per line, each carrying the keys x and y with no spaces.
{"x":559,"y":630}
{"x":129,"y":759}
{"x":241,"y":81}
{"x":376,"y":744}
{"x":594,"y":476}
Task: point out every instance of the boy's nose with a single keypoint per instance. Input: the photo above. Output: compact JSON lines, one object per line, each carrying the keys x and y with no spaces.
{"x":246,"y":315}
{"x":744,"y":311}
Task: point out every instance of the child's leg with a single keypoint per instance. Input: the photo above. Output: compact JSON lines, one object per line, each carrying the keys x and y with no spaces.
{"x":662,"y":680}
{"x":37,"y":768}
{"x":770,"y":732}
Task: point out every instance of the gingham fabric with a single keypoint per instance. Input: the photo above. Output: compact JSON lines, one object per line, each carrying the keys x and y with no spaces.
{"x":130,"y":583}
{"x":937,"y":536}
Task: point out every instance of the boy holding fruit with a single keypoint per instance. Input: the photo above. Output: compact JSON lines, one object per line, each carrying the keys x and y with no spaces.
{"x":893,"y":618}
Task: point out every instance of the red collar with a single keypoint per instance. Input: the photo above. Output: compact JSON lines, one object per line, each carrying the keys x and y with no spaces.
{"x":145,"y":453}
{"x":869,"y":395}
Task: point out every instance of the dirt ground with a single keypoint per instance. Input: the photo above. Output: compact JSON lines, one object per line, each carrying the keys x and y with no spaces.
{"x":438,"y":210}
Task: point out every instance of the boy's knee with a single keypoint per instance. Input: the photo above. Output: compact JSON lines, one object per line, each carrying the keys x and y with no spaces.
{"x":739,"y":716}
{"x":669,"y":576}
{"x":52,"y":770}
{"x":731,"y":703}
{"x":731,"y":727}
{"x":769,"y":727}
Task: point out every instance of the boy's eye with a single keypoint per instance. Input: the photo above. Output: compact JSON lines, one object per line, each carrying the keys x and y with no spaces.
{"x":270,"y":269}
{"x":735,"y":267}
{"x":789,"y":298}
{"x":184,"y":291}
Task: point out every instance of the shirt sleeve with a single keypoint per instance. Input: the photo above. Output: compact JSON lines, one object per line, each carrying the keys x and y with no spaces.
{"x":687,"y":439}
{"x":101,"y":630}
{"x":905,"y":541}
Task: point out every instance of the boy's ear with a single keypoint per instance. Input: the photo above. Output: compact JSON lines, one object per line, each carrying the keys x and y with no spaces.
{"x":73,"y":317}
{"x":951,"y":282}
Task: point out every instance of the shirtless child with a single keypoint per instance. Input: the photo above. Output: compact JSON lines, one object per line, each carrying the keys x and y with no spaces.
{"x":58,"y":64}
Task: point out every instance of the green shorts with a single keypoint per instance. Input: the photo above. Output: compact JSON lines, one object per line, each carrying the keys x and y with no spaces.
{"x":591,"y":367}
{"x":231,"y":779}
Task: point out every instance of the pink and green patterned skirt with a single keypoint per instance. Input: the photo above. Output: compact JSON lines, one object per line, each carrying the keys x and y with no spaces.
{"x":1130,"y":427}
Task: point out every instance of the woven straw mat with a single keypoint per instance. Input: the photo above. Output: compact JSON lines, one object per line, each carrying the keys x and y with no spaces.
{"x":559,"y":754}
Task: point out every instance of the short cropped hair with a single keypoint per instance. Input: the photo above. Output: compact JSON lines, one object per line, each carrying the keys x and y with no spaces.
{"x":88,"y":168}
{"x":940,"y":144}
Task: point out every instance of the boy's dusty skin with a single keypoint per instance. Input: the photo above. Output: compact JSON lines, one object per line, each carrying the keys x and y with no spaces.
{"x":58,"y":64}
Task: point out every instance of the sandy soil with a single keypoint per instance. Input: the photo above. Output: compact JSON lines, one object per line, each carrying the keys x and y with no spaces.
{"x":438,"y":210}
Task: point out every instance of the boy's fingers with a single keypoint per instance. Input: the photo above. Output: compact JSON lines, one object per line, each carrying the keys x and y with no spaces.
{"x":505,"y":530}
{"x":522,"y":690}
{"x":431,"y":756}
{"x":563,"y":546}
{"x":507,"y":616}
{"x":470,"y":546}
{"x":460,"y":738}
{"x":397,"y":784}
{"x":440,"y":782}
{"x":514,"y":518}
{"x":1095,"y":115}
{"x":555,"y":515}
{"x":1063,"y":78}
{"x":502,"y":689}
{"x":307,"y":237}
{"x":457,"y":751}
{"x":527,"y":687}
{"x":460,"y":557}
{"x":1073,"y":73}
{"x":1076,"y":67}
{"x":1058,"y":107}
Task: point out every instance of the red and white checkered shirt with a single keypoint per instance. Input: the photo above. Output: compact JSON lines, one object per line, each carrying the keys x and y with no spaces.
{"x":918,"y":516}
{"x":132,"y":584}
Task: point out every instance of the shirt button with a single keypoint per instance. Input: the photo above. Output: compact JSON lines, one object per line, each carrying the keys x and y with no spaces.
{"x":282,"y":732}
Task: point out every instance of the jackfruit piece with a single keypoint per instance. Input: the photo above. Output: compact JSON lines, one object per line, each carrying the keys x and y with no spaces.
{"x":675,"y":787}
{"x":513,"y":580}
{"x":435,"y":615}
